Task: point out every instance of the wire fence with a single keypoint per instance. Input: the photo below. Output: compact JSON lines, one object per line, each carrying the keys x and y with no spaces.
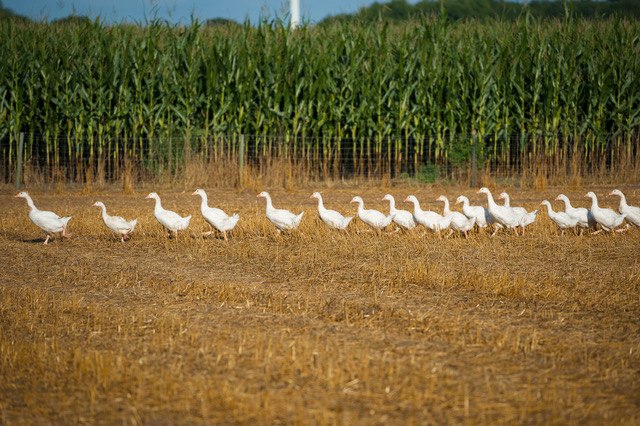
{"x":238,"y":160}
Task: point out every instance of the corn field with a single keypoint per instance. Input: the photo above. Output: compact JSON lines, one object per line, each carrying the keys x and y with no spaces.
{"x":554,"y":97}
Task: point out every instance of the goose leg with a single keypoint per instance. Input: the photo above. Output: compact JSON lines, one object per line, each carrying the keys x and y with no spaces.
{"x":46,"y":240}
{"x":224,"y":234}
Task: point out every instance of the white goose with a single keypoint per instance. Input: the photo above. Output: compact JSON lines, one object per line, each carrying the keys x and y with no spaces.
{"x":373,"y":218}
{"x":526,"y":218}
{"x":480,"y":213}
{"x":561,"y":219}
{"x":172,"y":221}
{"x":607,"y":218}
{"x":48,"y":221}
{"x":282,"y":219}
{"x":584,"y":216}
{"x":117,"y":224}
{"x":332,"y":218}
{"x":503,"y":215}
{"x":632,"y":212}
{"x":507,"y":203}
{"x":427,"y":218}
{"x":402,"y":218}
{"x":459,"y":222}
{"x":216,"y":217}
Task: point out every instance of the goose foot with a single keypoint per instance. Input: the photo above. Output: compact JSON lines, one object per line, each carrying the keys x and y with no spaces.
{"x":625,"y":229}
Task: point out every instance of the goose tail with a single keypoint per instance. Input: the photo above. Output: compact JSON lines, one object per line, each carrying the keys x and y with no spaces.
{"x":65,"y":221}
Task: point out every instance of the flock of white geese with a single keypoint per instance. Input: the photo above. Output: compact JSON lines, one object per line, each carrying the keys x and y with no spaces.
{"x":493,"y":216}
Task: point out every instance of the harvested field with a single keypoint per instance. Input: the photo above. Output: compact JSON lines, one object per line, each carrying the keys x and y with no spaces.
{"x":315,"y":326}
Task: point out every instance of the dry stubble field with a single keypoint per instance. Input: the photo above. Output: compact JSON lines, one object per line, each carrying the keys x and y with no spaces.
{"x":316,"y":326}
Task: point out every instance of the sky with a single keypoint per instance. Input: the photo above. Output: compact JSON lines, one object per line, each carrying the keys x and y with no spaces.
{"x":114,"y":11}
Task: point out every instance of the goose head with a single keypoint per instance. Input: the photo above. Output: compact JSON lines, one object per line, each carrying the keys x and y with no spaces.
{"x":316,"y":195}
{"x":503,"y":196}
{"x":545,"y":203}
{"x":263,"y":194}
{"x":590,"y":194}
{"x":98,"y":204}
{"x":22,"y":194}
{"x":561,"y":197}
{"x":388,"y":197}
{"x":617,"y":192}
{"x":442,"y":198}
{"x":410,"y":199}
{"x":461,"y":199}
{"x":152,"y":195}
{"x":199,"y":192}
{"x":484,"y":190}
{"x":357,"y":199}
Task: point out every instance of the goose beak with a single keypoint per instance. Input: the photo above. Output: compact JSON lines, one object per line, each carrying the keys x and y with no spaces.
{"x":478,"y":192}
{"x":500,"y":197}
{"x":194,"y":193}
{"x":406,"y":200}
{"x":311,"y":196}
{"x":611,"y":193}
{"x":17,"y":195}
{"x":586,"y":195}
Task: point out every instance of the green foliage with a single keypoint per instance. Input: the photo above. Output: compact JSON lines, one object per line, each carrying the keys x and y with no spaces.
{"x":401,"y":10}
{"x":89,"y":89}
{"x":428,"y":173}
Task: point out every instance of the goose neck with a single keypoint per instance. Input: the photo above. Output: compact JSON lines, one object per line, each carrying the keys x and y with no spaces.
{"x":490,"y":200}
{"x":446,"y":210}
{"x":269,"y":203}
{"x":204,"y":202}
{"x":30,"y":203}
{"x":392,"y":205}
{"x":158,"y":205}
{"x":623,"y":200}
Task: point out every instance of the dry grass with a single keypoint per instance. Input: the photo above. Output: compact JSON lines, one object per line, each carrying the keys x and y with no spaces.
{"x":316,"y":326}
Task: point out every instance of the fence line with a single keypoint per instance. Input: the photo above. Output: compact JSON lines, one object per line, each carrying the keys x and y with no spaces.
{"x":227,"y":160}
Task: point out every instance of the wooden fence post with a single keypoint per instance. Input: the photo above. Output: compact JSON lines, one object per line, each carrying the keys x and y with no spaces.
{"x":19,"y":161}
{"x":241,"y":161}
{"x":474,"y":165}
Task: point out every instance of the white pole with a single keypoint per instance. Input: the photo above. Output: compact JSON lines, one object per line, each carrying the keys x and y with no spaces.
{"x":295,"y":14}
